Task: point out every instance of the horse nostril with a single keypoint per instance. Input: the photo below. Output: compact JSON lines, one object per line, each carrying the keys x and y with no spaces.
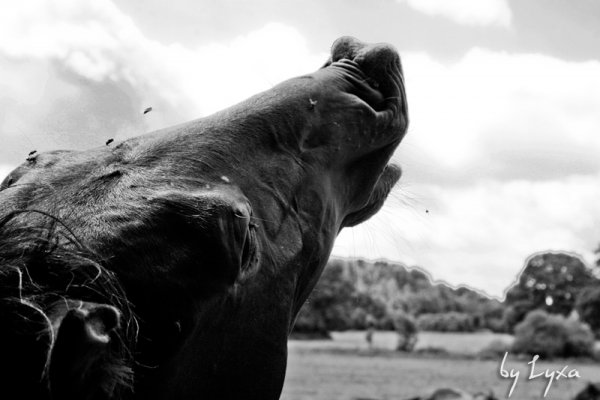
{"x":345,"y":47}
{"x":108,"y":317}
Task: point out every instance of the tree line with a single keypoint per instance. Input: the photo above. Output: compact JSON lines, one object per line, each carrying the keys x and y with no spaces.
{"x":357,"y":294}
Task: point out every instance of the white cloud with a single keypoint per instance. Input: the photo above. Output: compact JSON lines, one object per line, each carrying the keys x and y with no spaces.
{"x":467,"y":12}
{"x":507,"y":116}
{"x":4,"y":171}
{"x":97,"y":41}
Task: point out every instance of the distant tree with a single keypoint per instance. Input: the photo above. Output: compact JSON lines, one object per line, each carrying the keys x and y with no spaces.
{"x":333,"y":299}
{"x":367,"y":311}
{"x":551,"y":335}
{"x":310,"y":324}
{"x":418,"y":280}
{"x":491,"y":314}
{"x":549,"y":281}
{"x":425,"y":302}
{"x":514,"y":314}
{"x":329,"y":307}
{"x":588,"y":307}
{"x":349,"y":290}
{"x":407,"y":330}
{"x":446,"y":322}
{"x":336,"y":305}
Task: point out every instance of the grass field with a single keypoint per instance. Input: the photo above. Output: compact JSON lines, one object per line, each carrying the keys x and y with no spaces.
{"x":469,"y":343}
{"x":346,"y":369}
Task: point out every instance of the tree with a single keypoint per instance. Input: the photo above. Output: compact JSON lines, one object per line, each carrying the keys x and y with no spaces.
{"x":332,"y":298}
{"x":588,"y":307}
{"x":553,"y":336}
{"x":452,"y":321}
{"x":549,"y":281}
{"x":407,"y":330}
{"x":310,"y":324}
{"x":364,"y":305}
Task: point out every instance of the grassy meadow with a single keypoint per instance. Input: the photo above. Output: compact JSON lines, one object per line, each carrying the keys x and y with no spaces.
{"x":345,"y":369}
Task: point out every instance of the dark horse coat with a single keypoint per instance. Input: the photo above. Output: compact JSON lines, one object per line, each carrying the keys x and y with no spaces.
{"x":172,"y":265}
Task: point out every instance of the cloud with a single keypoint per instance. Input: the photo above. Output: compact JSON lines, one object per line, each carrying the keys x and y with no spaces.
{"x":466,"y":12}
{"x":4,"y":171}
{"x":47,"y":107}
{"x":90,"y":71}
{"x":497,"y":115}
{"x":98,"y":42}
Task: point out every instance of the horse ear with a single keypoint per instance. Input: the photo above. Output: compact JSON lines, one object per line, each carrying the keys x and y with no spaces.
{"x":83,"y":363}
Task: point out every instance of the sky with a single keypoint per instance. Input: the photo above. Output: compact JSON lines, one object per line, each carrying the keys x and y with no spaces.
{"x":501,"y":159}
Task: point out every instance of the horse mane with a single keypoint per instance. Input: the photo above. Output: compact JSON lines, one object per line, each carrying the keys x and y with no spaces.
{"x":44,"y":268}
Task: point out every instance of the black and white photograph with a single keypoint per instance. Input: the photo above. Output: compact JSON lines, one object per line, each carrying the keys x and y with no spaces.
{"x":300,"y":199}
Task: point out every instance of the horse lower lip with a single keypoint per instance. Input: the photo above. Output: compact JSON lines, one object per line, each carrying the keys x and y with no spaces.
{"x":395,"y":168}
{"x":391,"y":175}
